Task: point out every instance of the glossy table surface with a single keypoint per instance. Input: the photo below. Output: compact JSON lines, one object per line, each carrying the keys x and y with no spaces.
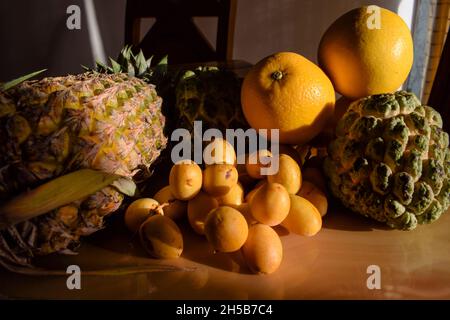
{"x":331,"y":265}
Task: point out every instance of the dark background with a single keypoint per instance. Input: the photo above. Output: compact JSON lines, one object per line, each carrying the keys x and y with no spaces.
{"x":33,"y":33}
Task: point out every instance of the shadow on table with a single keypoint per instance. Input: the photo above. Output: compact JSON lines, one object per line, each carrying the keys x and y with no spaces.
{"x":198,"y":249}
{"x":341,"y":218}
{"x":117,"y":238}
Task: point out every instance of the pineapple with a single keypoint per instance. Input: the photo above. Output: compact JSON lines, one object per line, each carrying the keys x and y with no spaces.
{"x":206,"y":94}
{"x":48,"y":128}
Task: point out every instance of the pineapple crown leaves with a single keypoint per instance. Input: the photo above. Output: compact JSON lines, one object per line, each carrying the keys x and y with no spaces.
{"x":135,"y":65}
{"x":10,"y":84}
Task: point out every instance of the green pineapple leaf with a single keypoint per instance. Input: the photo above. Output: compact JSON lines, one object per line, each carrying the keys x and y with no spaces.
{"x":127,"y":52}
{"x":124,"y":56}
{"x":48,"y":196}
{"x":138,"y":66}
{"x":115,"y":66}
{"x":163,"y":61}
{"x":125,"y":185}
{"x":103,"y":67}
{"x":149,"y":61}
{"x":141,"y":63}
{"x":132,"y":57}
{"x":130,"y":69}
{"x":8,"y":85}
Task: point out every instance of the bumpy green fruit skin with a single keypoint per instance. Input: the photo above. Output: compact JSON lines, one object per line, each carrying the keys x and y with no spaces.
{"x":390,"y":160}
{"x":212,"y":96}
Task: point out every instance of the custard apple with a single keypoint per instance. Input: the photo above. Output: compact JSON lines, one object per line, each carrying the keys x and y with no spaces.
{"x":390,"y":160}
{"x":211,"y":95}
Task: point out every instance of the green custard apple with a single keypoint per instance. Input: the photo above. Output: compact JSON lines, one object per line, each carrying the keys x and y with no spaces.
{"x":390,"y":160}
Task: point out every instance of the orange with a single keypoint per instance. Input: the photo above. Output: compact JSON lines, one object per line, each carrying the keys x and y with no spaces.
{"x":340,"y":107}
{"x":362,"y":60}
{"x":288,"y":92}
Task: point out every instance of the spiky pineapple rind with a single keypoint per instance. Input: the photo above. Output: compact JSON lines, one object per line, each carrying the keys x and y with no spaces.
{"x":107,"y":122}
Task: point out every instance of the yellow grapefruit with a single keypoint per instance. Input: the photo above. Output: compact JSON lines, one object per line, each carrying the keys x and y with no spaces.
{"x":288,"y":92}
{"x":367,"y":52}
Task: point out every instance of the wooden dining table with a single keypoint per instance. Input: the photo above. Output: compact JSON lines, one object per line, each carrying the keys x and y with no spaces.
{"x":340,"y":262}
{"x":337,"y":263}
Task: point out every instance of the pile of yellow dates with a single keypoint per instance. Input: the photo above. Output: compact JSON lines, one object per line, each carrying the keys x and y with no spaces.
{"x":233,"y":205}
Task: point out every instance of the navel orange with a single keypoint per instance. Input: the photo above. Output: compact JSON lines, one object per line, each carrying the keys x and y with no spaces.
{"x":367,"y":51}
{"x":288,"y":92}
